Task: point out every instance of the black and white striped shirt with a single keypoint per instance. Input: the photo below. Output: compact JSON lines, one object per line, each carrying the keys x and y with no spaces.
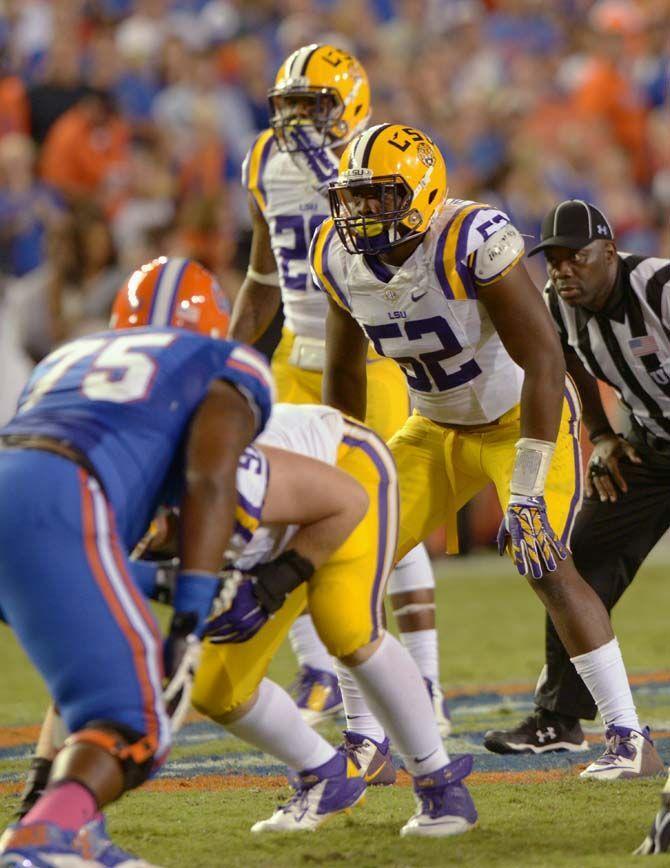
{"x":627,"y":343}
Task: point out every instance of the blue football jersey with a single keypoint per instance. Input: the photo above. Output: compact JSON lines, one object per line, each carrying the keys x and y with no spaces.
{"x":125,"y":398}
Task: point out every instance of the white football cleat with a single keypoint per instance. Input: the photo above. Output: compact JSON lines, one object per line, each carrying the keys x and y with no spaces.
{"x":332,"y":788}
{"x":628,"y":754}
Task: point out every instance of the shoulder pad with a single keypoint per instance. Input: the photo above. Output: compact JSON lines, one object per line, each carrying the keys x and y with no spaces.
{"x":248,"y":371}
{"x":325,"y":273}
{"x":498,"y":254}
{"x":254,"y":165}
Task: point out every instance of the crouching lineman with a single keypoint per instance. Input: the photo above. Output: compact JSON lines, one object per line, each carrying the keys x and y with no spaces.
{"x":107,"y":426}
{"x":281,"y":495}
{"x":320,"y":101}
{"x":438,"y":284}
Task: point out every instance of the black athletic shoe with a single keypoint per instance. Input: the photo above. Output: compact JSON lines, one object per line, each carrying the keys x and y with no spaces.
{"x":658,"y":839}
{"x":540,"y":732}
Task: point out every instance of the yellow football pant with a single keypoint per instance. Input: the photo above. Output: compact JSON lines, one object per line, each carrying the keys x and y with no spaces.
{"x":388,"y":399}
{"x":440,"y":469}
{"x":345,"y":595}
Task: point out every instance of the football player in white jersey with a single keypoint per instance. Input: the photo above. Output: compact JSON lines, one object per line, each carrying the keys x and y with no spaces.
{"x":438,"y":284}
{"x":320,"y":101}
{"x":287,"y":500}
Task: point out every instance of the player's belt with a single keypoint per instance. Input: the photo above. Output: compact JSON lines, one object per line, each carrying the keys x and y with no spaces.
{"x":308,"y":354}
{"x":48,"y":444}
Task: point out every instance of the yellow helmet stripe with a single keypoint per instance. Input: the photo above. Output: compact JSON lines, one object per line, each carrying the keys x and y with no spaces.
{"x":454,"y":280}
{"x":255,"y":167}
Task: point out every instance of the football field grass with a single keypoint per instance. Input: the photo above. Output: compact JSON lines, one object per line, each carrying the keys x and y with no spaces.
{"x":533,"y":812}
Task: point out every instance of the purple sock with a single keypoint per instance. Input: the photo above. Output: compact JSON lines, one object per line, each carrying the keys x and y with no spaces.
{"x":68,"y":804}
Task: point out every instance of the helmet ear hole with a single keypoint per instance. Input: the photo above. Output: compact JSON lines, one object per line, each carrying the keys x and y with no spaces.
{"x":358,"y":109}
{"x":431,"y":196}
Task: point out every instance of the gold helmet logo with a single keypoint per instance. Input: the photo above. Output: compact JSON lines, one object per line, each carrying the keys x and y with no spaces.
{"x":425,"y":154}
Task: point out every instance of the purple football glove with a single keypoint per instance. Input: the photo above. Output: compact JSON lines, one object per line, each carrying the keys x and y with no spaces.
{"x":237,"y":615}
{"x":526,"y":533}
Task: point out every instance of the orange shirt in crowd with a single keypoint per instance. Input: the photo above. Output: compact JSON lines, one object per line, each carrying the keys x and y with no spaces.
{"x":607,"y":94}
{"x":14,"y":110}
{"x":77,"y":156}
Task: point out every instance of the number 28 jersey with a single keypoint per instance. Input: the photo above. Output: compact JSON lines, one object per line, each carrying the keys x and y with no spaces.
{"x":124,"y":399}
{"x":293,"y":211}
{"x":426,"y":315}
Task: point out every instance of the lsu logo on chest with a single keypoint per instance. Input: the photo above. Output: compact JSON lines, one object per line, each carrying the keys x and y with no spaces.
{"x":408,"y":299}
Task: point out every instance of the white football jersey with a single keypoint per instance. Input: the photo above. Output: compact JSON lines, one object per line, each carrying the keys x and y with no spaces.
{"x":308,"y":429}
{"x":426,"y":315}
{"x":293,"y":211}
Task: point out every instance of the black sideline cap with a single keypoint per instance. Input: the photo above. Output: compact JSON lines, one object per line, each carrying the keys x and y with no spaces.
{"x":573,"y":223}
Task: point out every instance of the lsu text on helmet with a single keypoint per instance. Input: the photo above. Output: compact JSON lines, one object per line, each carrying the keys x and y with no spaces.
{"x":323,"y":89}
{"x":172,"y":292}
{"x":392,"y":183}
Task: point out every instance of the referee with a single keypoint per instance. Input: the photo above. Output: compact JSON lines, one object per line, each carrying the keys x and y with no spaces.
{"x":612,"y":311}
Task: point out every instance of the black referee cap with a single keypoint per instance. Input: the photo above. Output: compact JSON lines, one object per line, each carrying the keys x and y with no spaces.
{"x":573,"y":223}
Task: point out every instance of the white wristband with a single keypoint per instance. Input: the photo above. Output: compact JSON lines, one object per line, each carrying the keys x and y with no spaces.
{"x":271,"y":279}
{"x":533,"y":459}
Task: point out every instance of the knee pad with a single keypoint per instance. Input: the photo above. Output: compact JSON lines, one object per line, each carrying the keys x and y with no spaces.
{"x":413,"y":573}
{"x":341,"y":636}
{"x":134,"y":751}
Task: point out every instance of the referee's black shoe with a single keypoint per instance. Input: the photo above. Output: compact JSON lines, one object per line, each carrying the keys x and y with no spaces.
{"x":541,"y":732}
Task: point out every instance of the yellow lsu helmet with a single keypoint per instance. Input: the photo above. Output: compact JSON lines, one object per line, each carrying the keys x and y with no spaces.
{"x":323,"y":88}
{"x":392,"y":183}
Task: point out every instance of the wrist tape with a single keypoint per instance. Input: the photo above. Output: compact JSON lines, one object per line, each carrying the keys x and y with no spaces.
{"x":533,"y":460}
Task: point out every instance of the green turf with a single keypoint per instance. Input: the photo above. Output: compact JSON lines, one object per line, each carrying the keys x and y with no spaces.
{"x":491,"y":631}
{"x":566,"y":823}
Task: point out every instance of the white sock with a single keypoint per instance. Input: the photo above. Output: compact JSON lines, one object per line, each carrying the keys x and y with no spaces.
{"x":422,"y":645}
{"x":359,"y":717}
{"x":275,"y":726}
{"x":394,"y":690}
{"x":307,"y":645}
{"x":604,"y":673}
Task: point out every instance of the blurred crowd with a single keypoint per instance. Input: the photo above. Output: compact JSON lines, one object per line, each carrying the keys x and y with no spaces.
{"x":123,"y":125}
